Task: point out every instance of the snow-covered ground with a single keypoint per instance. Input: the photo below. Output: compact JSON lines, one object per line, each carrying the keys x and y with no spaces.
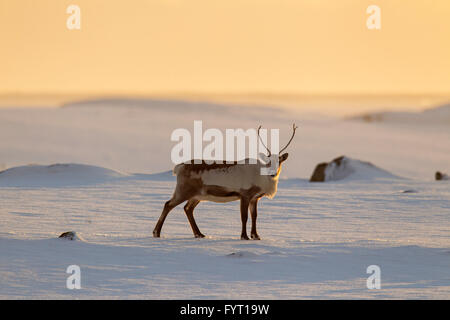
{"x":438,"y":115}
{"x":110,"y":182}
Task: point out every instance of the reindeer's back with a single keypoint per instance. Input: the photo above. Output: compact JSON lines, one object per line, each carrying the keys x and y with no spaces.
{"x":234,"y":176}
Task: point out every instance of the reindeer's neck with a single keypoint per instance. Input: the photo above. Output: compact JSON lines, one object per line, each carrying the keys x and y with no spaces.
{"x":271,"y":184}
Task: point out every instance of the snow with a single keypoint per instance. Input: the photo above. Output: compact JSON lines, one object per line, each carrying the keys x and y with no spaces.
{"x":113,"y":176}
{"x":60,"y":174}
{"x":354,"y":169}
{"x":134,"y":137}
{"x":435,"y":116}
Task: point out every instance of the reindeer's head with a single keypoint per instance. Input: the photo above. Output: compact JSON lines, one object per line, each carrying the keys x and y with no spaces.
{"x":281,"y":158}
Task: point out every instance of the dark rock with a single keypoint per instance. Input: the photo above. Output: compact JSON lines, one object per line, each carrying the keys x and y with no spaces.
{"x":70,"y":235}
{"x":441,"y":176}
{"x":409,"y":191}
{"x":319,"y":172}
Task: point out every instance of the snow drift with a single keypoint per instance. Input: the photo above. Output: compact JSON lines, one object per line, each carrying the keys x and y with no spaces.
{"x":437,"y":115}
{"x":347,"y":168}
{"x":56,"y":175}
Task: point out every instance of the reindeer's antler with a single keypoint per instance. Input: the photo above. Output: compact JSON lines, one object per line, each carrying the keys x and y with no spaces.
{"x":269,"y":153}
{"x":294,"y":127}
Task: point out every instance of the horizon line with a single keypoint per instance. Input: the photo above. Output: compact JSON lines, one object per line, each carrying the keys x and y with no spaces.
{"x":18,"y":93}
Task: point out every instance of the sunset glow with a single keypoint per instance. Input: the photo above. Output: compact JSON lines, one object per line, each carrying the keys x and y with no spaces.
{"x":206,"y":46}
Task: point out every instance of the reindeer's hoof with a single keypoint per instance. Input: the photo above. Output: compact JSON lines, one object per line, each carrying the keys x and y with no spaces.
{"x":244,"y":237}
{"x":199,"y":235}
{"x":255,"y":237}
{"x":156,"y":234}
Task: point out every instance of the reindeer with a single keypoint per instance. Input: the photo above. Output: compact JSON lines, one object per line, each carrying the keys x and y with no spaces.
{"x":222,"y":183}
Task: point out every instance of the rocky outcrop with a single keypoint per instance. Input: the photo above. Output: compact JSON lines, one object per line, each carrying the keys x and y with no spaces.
{"x":441,"y":176}
{"x":347,"y":168}
{"x":319,"y":174}
{"x":69,"y":235}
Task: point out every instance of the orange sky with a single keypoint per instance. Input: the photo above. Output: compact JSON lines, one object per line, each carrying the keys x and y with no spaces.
{"x":151,"y":46}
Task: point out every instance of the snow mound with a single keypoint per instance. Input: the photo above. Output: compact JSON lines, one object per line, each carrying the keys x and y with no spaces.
{"x":56,"y":175}
{"x":242,"y":254}
{"x":437,"y":115}
{"x":348,"y":168}
{"x":170,"y":106}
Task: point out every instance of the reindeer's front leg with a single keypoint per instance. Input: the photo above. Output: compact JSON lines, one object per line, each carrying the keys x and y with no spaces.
{"x":253,"y":213}
{"x":244,"y":216}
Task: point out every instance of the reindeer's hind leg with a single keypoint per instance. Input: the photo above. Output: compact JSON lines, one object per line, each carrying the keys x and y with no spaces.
{"x":189,"y":209}
{"x":253,"y":213}
{"x":172,"y":203}
{"x":244,"y":217}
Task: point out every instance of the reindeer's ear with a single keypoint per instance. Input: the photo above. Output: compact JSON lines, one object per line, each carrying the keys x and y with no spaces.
{"x":283,"y":157}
